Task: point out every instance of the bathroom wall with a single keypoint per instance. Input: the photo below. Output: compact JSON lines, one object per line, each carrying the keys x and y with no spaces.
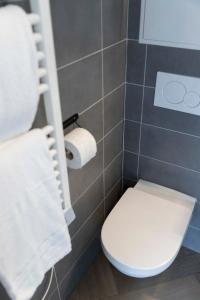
{"x":90,"y":42}
{"x":161,"y":145}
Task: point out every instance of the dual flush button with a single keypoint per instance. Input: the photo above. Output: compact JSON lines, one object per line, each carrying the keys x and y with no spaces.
{"x":177,"y":92}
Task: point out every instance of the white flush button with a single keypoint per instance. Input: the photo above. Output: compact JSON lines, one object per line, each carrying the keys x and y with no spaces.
{"x":174,"y":92}
{"x":178,"y":92}
{"x":192,"y":99}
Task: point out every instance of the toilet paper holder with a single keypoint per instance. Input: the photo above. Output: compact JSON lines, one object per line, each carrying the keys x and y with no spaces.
{"x":71,"y":120}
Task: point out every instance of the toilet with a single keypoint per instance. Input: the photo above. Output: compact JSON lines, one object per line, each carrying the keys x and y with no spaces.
{"x":142,"y":235}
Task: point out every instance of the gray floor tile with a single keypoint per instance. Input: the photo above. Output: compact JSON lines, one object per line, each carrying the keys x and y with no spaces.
{"x":179,"y":281}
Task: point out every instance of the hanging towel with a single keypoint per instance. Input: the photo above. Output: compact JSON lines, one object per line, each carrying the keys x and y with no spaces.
{"x":18,"y":73}
{"x":33,"y":232}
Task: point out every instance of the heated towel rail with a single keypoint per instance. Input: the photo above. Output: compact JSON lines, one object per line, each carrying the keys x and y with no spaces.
{"x":40,"y":19}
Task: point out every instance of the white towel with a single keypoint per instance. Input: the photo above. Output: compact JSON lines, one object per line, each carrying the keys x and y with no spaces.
{"x":33,"y":232}
{"x":18,"y":73}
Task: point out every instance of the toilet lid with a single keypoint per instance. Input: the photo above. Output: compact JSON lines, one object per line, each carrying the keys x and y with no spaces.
{"x":146,"y":228}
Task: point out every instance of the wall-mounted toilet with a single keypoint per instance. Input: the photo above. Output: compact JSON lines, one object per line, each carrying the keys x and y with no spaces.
{"x":143,"y":233}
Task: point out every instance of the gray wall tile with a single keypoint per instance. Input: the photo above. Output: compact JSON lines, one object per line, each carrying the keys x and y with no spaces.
{"x":170,"y":146}
{"x":136,"y":62}
{"x":87,"y":204}
{"x":171,"y":60}
{"x":130,"y":166}
{"x":113,"y":144}
{"x":113,"y":197}
{"x":80,"y":179}
{"x":133,"y":107}
{"x":132,"y":136}
{"x":73,"y":277}
{"x":114,"y":21}
{"x":80,"y":243}
{"x":134,"y":19}
{"x":171,"y":176}
{"x":167,"y":118}
{"x":127,"y":183}
{"x":80,"y":85}
{"x":113,"y":109}
{"x":92,"y":120}
{"x":74,"y":36}
{"x":192,"y":240}
{"x":113,"y":173}
{"x":195,"y":217}
{"x":114,"y":66}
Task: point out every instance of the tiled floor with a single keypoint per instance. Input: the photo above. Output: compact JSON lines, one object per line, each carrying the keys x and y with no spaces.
{"x":180,"y":281}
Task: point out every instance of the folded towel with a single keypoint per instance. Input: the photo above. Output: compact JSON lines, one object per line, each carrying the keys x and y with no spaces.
{"x":33,"y":232}
{"x":18,"y":73}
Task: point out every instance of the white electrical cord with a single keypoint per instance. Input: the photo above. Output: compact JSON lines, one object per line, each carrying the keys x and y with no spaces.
{"x":49,"y":285}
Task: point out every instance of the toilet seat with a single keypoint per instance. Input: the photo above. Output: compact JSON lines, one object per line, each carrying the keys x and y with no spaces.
{"x":142,"y":235}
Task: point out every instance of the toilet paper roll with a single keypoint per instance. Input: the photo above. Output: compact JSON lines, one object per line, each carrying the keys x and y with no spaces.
{"x":80,"y":147}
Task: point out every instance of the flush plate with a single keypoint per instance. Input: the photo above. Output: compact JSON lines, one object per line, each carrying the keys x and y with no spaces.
{"x":177,"y":92}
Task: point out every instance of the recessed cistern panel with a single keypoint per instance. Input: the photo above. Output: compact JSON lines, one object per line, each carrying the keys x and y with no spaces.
{"x":177,"y":92}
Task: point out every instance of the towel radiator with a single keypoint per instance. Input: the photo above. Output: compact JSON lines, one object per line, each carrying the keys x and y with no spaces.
{"x":40,"y":19}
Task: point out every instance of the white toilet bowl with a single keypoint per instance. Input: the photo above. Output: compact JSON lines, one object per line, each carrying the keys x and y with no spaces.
{"x":143,"y":233}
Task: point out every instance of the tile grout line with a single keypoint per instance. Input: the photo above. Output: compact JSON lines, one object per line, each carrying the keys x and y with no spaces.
{"x":74,"y":235}
{"x":103,"y":108}
{"x":113,"y":128}
{"x":133,"y":121}
{"x":194,"y":227}
{"x":87,"y":219}
{"x":60,"y":68}
{"x":87,"y":189}
{"x":113,"y":187}
{"x":140,"y":85}
{"x":174,"y":131}
{"x":164,"y":128}
{"x":125,"y":93}
{"x":101,"y":99}
{"x":143,"y":91}
{"x":169,"y":163}
{"x":162,"y":161}
{"x":131,"y":152}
